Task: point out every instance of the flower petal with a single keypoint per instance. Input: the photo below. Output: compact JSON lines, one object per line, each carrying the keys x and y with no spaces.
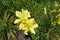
{"x":31,"y":22}
{"x":35,"y":25}
{"x":21,"y":26}
{"x":25,"y":32}
{"x":17,"y":21}
{"x":32,"y":30}
{"x":18,"y":14}
{"x":26,"y":13}
{"x":58,"y":20}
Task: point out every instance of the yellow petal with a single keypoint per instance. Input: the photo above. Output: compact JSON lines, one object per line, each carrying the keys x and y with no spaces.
{"x":53,"y":23}
{"x":23,"y":15}
{"x":25,"y":32}
{"x":31,"y":21}
{"x":56,"y":4}
{"x":17,"y":21}
{"x":35,"y":25}
{"x":32,"y":30}
{"x":26,"y":13}
{"x":58,"y":21}
{"x":21,"y":26}
{"x":24,"y":21}
{"x":18,"y":14}
{"x":58,"y":16}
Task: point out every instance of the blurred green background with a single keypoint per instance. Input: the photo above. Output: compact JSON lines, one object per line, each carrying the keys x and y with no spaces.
{"x":45,"y":31}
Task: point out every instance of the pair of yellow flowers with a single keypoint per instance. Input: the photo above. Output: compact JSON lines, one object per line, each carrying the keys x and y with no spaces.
{"x":25,"y":21}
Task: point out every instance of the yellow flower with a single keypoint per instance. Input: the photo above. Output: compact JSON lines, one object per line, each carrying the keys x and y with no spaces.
{"x":25,"y":22}
{"x":58,"y":38}
{"x":22,"y":16}
{"x":58,"y":15}
{"x":56,"y":4}
{"x":29,"y":26}
{"x":58,"y":20}
{"x":59,"y":10}
{"x":53,"y":23}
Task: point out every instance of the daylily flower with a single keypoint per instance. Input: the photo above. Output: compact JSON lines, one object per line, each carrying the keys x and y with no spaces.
{"x":22,"y":16}
{"x":29,"y":26}
{"x":56,"y":4}
{"x":25,"y":22}
{"x":58,"y":15}
{"x":53,"y":23}
{"x":58,"y":20}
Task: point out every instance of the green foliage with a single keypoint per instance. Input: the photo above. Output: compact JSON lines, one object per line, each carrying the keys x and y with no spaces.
{"x":45,"y":31}
{"x":6,"y":21}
